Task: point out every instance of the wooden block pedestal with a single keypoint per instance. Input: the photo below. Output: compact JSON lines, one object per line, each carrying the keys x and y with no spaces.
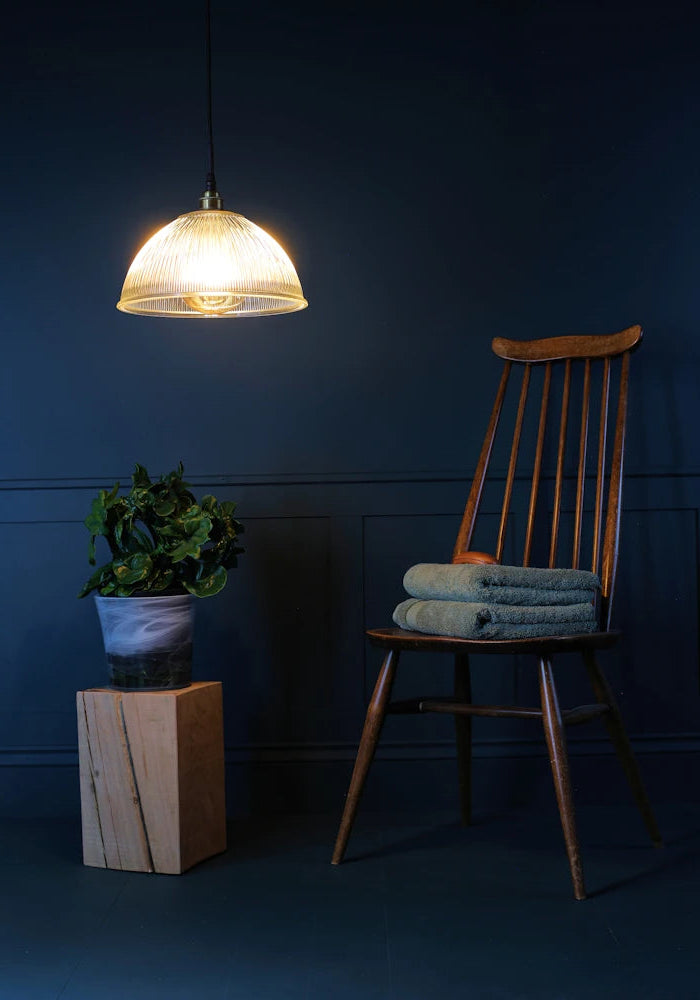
{"x":152,"y":777}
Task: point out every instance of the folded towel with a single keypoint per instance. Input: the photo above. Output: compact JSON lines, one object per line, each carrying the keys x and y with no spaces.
{"x":466,"y":620}
{"x":497,"y":584}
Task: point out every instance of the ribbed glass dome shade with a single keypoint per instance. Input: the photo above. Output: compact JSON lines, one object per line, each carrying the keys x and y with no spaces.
{"x":211,"y":263}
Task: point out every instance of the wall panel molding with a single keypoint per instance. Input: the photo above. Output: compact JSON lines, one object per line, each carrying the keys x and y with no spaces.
{"x":325,"y":558}
{"x":388,"y":750}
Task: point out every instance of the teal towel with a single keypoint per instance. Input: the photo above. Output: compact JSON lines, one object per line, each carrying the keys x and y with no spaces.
{"x":467,"y":620}
{"x":495,"y":584}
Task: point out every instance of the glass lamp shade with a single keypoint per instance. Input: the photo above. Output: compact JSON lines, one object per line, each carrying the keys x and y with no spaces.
{"x":211,"y":263}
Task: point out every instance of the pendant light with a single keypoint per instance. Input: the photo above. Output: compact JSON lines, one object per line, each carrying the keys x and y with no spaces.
{"x":211,"y":263}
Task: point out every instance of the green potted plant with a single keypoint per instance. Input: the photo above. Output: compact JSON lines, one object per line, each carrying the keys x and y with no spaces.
{"x":166,"y":550}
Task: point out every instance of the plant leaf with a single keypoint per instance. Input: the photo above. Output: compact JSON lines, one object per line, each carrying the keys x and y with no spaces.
{"x":141,"y":539}
{"x":96,"y":580}
{"x":118,"y":529}
{"x":184,"y":549}
{"x":96,"y":519}
{"x":208,"y":585}
{"x":134,"y":569}
{"x":140,"y":476}
{"x":111,"y":498}
{"x":163,"y":580}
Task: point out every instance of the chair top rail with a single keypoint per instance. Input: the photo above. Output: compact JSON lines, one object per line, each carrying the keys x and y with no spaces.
{"x":559,"y":348}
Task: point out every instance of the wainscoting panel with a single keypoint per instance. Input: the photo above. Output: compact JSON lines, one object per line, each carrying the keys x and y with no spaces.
{"x":324,"y":560}
{"x":51,"y":640}
{"x":268,"y":634}
{"x":657,"y":609}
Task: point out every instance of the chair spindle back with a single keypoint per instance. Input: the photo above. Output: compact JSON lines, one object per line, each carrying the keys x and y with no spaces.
{"x":590,"y":370}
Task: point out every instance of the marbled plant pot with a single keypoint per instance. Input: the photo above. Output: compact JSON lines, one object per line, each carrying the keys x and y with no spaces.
{"x":148,"y":641}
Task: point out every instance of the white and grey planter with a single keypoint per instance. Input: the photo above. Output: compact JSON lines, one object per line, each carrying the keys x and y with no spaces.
{"x":148,"y":641}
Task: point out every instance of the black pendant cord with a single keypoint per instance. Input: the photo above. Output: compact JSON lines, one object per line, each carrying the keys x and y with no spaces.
{"x":211,"y":199}
{"x":211,"y":179}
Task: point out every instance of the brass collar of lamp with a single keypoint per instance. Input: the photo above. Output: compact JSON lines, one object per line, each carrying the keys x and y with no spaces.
{"x":211,"y":263}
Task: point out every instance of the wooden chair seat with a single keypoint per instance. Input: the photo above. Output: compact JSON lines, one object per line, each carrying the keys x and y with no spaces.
{"x":399,"y":638}
{"x":602,"y":361}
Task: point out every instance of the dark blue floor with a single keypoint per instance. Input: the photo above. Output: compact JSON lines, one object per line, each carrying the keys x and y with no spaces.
{"x":421,"y":909}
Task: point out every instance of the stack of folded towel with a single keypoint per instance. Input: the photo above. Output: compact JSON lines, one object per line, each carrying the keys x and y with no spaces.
{"x":489,"y":601}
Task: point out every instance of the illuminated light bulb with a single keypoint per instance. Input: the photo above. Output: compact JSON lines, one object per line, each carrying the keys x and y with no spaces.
{"x":213,"y":305}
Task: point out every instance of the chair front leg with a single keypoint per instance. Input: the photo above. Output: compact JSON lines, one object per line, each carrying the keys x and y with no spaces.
{"x":463,"y":733}
{"x":365,"y":754}
{"x":558,"y":759}
{"x":623,"y":748}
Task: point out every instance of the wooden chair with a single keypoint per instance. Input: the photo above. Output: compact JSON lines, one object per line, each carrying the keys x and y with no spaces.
{"x":602,"y":365}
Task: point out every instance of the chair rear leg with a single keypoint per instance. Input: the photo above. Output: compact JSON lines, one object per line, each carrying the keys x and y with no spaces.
{"x":365,"y":754}
{"x":463,"y":732}
{"x":556,"y":745}
{"x":618,"y":735}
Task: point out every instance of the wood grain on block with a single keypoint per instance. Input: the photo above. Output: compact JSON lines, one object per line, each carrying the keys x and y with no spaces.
{"x":151,"y":777}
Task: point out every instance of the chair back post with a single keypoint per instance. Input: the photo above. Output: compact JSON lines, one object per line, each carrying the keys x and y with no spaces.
{"x":514,"y":449}
{"x":612,"y":521}
{"x":600,"y":474}
{"x":466,"y":528}
{"x":561,"y":450}
{"x":534,"y":489}
{"x":581,"y":475}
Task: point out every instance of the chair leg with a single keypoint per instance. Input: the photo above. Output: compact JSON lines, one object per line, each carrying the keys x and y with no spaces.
{"x":365,"y":754}
{"x":463,"y":732}
{"x":556,"y":745}
{"x":618,"y":735}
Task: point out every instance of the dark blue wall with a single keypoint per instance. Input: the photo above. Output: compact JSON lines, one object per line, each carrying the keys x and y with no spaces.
{"x":525,"y":169}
